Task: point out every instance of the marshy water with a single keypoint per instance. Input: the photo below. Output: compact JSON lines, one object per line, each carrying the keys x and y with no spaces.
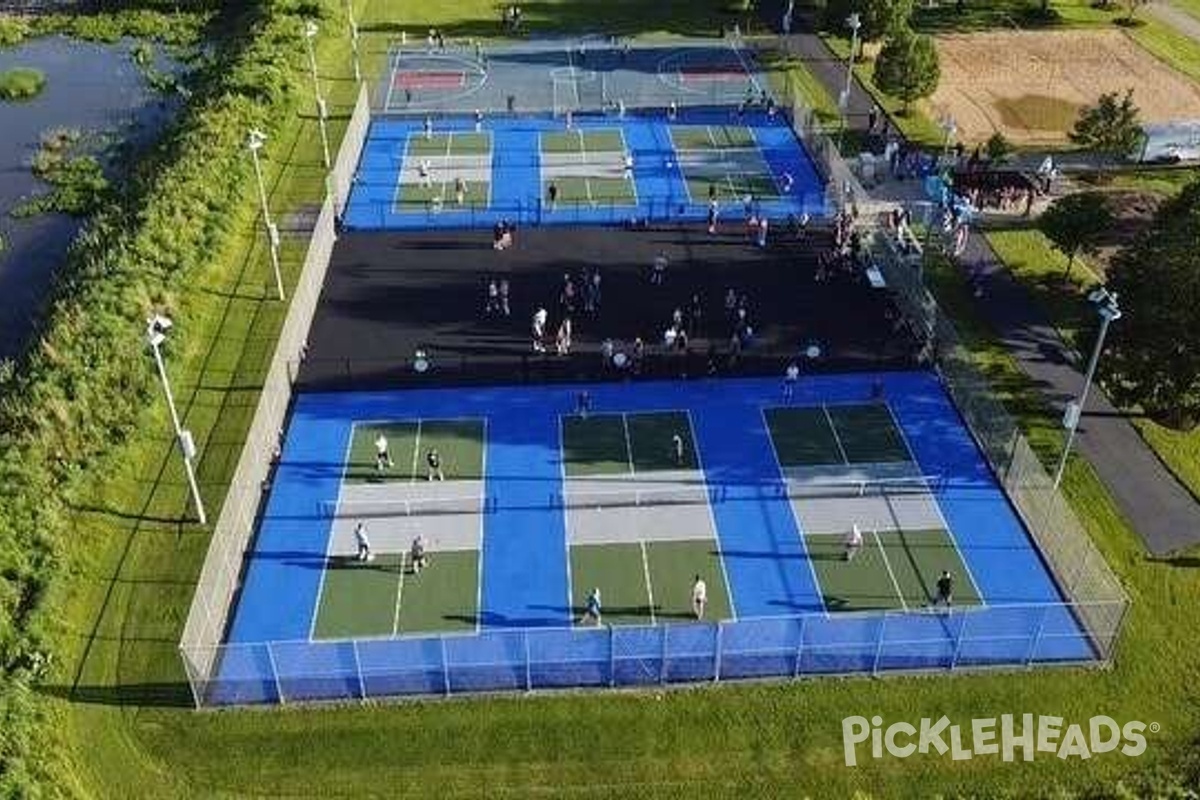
{"x":90,"y":87}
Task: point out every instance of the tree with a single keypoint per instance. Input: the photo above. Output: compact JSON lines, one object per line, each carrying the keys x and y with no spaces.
{"x":1073,"y":223}
{"x":879,"y":17}
{"x":998,"y":148}
{"x":1154,"y":362}
{"x":907,"y":66}
{"x":1110,"y":127}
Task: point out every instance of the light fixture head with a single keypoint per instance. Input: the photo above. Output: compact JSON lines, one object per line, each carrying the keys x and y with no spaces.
{"x":156,"y":329}
{"x":310,"y":28}
{"x":256,"y":139}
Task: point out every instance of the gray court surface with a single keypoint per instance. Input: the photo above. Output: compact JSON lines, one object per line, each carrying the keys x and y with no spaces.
{"x":592,"y":73}
{"x":447,"y":513}
{"x":882,"y":497}
{"x":654,"y":506}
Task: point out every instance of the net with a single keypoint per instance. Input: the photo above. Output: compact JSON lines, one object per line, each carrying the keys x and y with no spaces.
{"x":411,"y":507}
{"x":866,"y":487}
{"x":635,"y":498}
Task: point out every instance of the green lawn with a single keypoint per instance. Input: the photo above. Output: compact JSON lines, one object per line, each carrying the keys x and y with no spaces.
{"x":114,"y":703}
{"x":1161,"y":40}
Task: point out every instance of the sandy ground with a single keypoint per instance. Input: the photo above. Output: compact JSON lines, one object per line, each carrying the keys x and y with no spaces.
{"x":1030,"y":85}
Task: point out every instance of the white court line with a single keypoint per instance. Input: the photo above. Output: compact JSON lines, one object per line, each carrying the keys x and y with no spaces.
{"x":399,"y":593}
{"x":562,"y":469}
{"x":887,"y":562}
{"x":482,"y":521}
{"x":646,"y":572}
{"x":937,"y":505}
{"x":716,"y":538}
{"x":837,"y":439}
{"x":400,"y":175}
{"x":628,"y":444}
{"x":630,"y":179}
{"x":312,"y":623}
{"x":749,"y":72}
{"x":799,"y":528}
{"x":387,"y":102}
{"x":416,"y":461}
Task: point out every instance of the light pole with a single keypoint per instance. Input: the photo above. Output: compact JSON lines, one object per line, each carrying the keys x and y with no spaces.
{"x":855,"y":23}
{"x":156,"y":333}
{"x":1109,"y":311}
{"x":949,"y":127}
{"x":310,"y":33}
{"x":353,"y":41}
{"x":255,"y":141}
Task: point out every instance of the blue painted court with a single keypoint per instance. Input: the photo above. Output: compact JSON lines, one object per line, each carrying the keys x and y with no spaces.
{"x":462,"y":173}
{"x":764,"y":485}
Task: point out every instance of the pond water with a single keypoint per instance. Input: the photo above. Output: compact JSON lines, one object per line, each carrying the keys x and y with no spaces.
{"x":90,"y":87}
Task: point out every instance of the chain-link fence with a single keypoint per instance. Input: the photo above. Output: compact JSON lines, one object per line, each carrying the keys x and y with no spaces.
{"x":1081,"y":571}
{"x":213,"y":600}
{"x":950,"y":639}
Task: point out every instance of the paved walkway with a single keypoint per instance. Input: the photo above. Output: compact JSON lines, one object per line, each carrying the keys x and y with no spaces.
{"x":1177,"y":18}
{"x":1162,"y":511}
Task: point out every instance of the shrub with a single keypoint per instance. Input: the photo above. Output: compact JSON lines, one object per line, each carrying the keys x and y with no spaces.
{"x":21,"y":83}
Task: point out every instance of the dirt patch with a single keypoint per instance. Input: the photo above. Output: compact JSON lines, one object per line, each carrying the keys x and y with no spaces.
{"x":1030,"y":85}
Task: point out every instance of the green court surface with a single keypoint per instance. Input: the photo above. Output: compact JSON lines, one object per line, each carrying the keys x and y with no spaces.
{"x":459,"y":442}
{"x":730,"y":186}
{"x":443,"y":597}
{"x":651,"y":441}
{"x":595,"y":445}
{"x":358,"y":599}
{"x":643,"y":583}
{"x":893,"y":570}
{"x":591,"y":190}
{"x":442,"y":191}
{"x":712,"y":137}
{"x":618,"y":444}
{"x":868,"y":433}
{"x":458,"y":143}
{"x":854,"y":434}
{"x":380,"y":598}
{"x":802,"y":436}
{"x":583,"y":141}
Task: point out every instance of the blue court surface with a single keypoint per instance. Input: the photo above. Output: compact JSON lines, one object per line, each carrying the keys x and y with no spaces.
{"x":407,"y":181}
{"x":524,"y":634}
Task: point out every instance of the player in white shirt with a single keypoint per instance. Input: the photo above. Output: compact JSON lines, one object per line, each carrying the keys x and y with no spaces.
{"x":854,"y":542}
{"x":364,"y":544}
{"x":383,"y":458}
{"x":699,"y":596}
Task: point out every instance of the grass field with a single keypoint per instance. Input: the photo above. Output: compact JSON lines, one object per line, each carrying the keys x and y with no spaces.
{"x":115,"y":700}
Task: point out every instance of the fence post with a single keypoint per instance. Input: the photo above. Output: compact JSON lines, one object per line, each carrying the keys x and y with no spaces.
{"x":662,"y":669}
{"x":966,"y":618}
{"x":362,"y":682}
{"x":612,"y":658}
{"x":717,"y":652}
{"x":275,"y":673}
{"x":528,"y":670}
{"x":445,"y":666}
{"x":879,"y":643}
{"x":1037,"y":636}
{"x":800,"y":646}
